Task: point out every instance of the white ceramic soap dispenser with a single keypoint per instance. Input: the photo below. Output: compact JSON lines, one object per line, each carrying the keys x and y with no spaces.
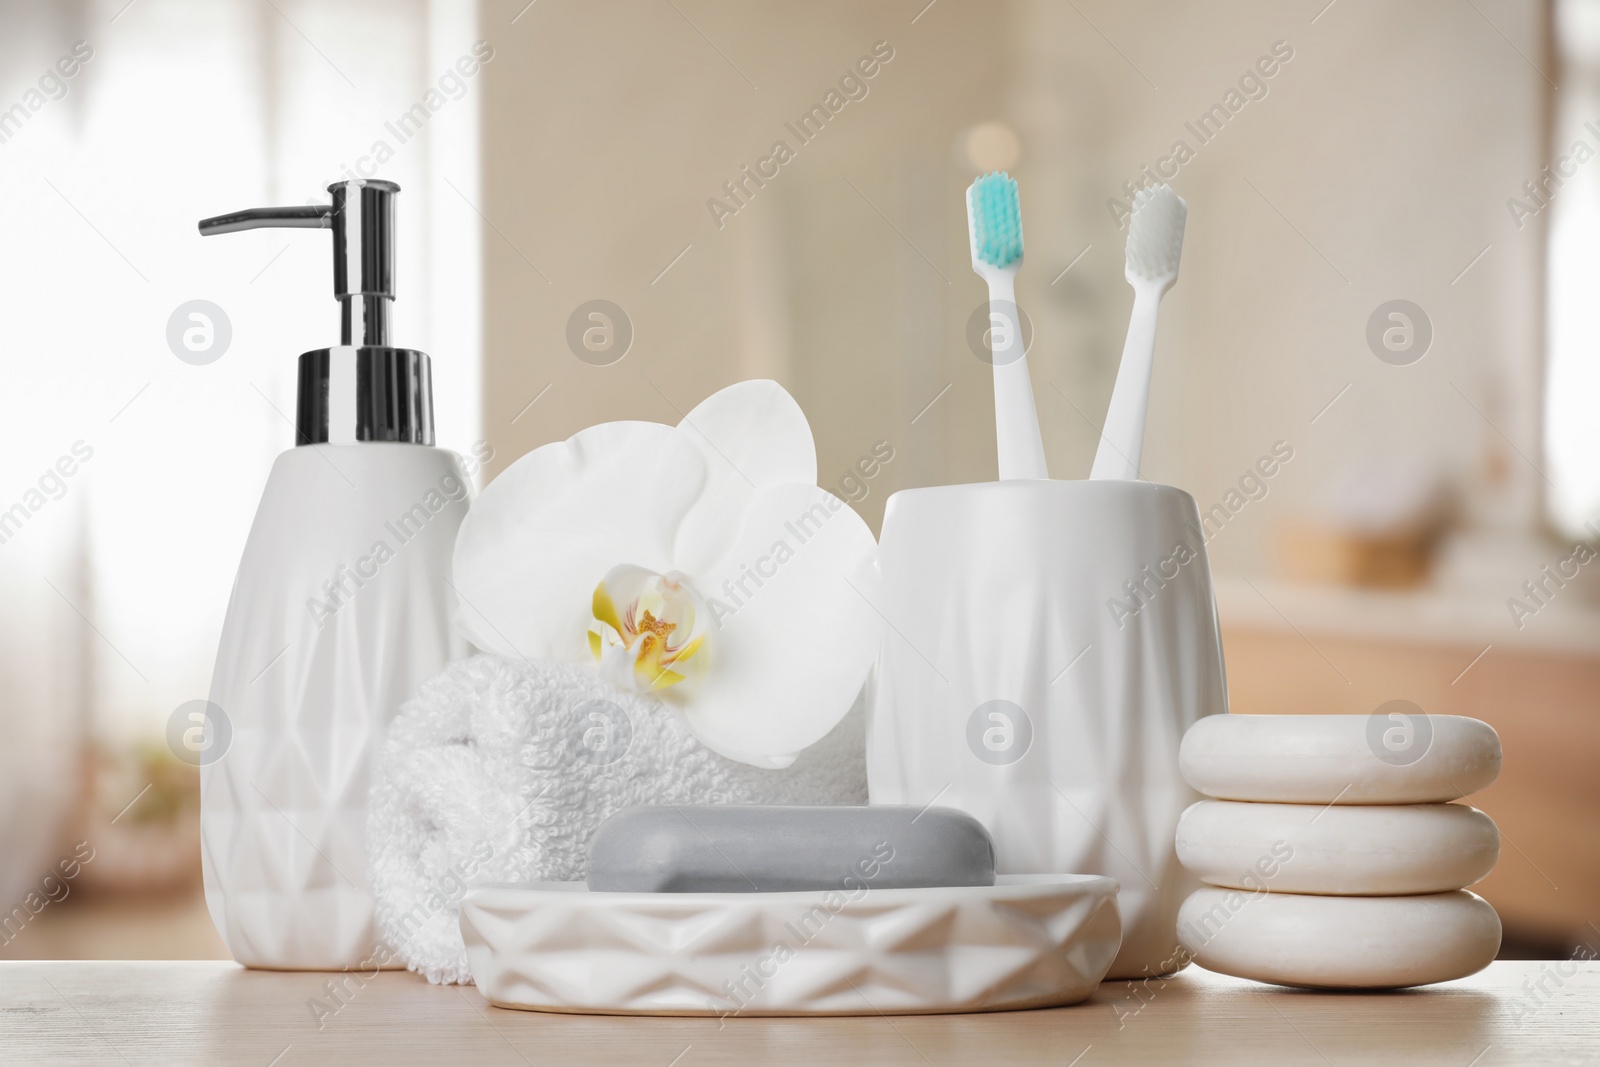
{"x":341,"y":607}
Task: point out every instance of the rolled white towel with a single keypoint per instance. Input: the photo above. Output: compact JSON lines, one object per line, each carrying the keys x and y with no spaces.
{"x":500,"y":771}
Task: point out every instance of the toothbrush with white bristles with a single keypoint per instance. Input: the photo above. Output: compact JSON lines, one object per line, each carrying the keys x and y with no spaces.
{"x":994,"y":224}
{"x":1155,"y":242}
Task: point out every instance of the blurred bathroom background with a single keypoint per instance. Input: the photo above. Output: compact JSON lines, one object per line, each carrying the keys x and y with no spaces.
{"x":1377,"y":374}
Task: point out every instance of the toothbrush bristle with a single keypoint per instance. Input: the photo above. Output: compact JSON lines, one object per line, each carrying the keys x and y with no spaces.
{"x":994,"y":220}
{"x":1155,"y":233}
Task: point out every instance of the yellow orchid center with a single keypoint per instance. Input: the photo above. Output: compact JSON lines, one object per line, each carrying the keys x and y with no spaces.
{"x":649,"y":630}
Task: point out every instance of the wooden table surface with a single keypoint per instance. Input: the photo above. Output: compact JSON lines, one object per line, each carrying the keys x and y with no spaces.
{"x":206,"y":1012}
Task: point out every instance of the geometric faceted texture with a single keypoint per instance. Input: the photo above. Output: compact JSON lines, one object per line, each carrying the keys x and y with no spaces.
{"x":341,"y":608}
{"x":1030,"y":941}
{"x":1044,"y":682}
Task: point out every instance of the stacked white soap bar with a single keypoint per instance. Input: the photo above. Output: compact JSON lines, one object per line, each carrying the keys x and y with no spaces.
{"x":1334,"y":860}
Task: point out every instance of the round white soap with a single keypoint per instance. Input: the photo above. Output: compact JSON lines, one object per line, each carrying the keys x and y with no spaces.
{"x":1376,"y":850}
{"x":1343,"y":759}
{"x":1340,"y":942}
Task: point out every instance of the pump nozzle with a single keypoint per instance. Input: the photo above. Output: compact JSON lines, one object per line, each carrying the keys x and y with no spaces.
{"x":362,"y":220}
{"x":310,"y":217}
{"x":364,"y":390}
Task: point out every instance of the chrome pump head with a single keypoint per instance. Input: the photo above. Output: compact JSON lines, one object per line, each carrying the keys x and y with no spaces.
{"x":364,"y":390}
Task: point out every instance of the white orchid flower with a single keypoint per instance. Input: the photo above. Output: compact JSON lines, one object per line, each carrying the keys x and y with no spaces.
{"x":698,"y":562}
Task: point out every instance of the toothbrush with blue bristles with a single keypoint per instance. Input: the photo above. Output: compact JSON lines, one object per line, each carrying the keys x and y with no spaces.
{"x":994,"y":224}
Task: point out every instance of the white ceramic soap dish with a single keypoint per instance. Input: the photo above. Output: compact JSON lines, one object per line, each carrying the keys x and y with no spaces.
{"x":1031,"y":941}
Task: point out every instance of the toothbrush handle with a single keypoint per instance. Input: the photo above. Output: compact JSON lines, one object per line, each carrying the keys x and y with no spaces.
{"x":1122,"y":439}
{"x":1016,"y":419}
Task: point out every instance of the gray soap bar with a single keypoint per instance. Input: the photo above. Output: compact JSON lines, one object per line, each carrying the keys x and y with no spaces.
{"x":715,"y":848}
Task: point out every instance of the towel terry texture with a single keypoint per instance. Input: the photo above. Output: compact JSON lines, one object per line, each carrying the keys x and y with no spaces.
{"x":500,"y":771}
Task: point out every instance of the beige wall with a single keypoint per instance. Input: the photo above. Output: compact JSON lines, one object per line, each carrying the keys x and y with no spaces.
{"x":1387,"y":147}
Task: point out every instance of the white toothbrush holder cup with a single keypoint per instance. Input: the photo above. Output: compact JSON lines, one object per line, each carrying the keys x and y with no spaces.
{"x":1049,"y":642}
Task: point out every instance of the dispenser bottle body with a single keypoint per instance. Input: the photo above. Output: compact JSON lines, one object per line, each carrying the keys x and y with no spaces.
{"x":341,"y":609}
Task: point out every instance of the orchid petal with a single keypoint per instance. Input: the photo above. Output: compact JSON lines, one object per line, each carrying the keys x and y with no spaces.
{"x":542,"y":535}
{"x":753,"y":436}
{"x":792,"y":652}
